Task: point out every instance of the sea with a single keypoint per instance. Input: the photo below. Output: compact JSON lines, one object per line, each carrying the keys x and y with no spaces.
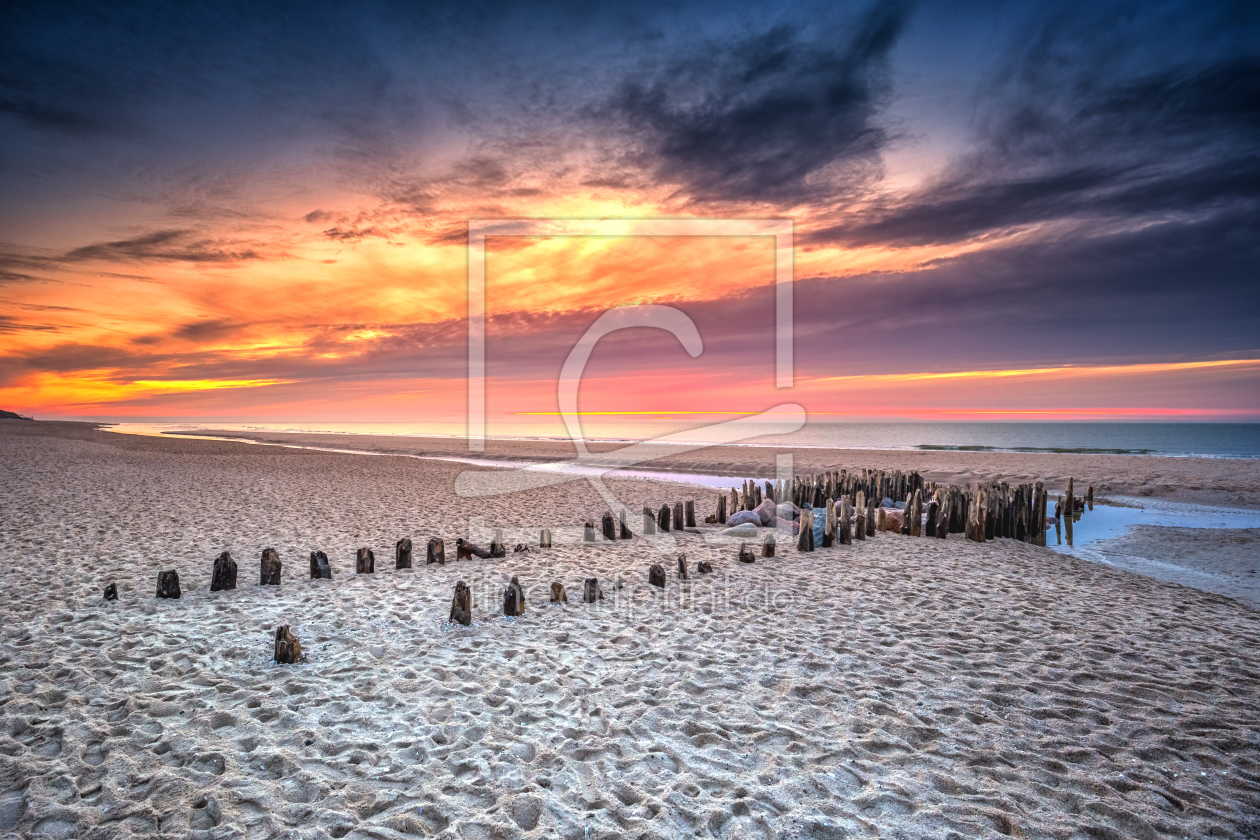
{"x":1178,"y":440}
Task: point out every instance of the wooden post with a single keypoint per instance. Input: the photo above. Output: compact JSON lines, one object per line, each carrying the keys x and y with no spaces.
{"x":745,"y":554}
{"x":1089,"y":497}
{"x":1069,"y":510}
{"x":514,"y":599}
{"x":591,"y":591}
{"x":662,"y":520}
{"x":402,"y":554}
{"x":588,"y":532}
{"x":320,"y":569}
{"x":111,"y":592}
{"x":931,"y":518}
{"x":288,"y":650}
{"x":682,"y":566}
{"x":497,"y":547}
{"x":689,"y":513}
{"x":649,"y":522}
{"x":224,"y":576}
{"x":168,"y":584}
{"x":544,"y":538}
{"x":465,"y":550}
{"x":436,"y":550}
{"x":881,"y":521}
{"x":767,"y":547}
{"x":916,"y":517}
{"x":678,"y":521}
{"x":829,"y":524}
{"x":656,"y":575}
{"x":461,"y":604}
{"x":805,"y":539}
{"x":558,"y":595}
{"x":364,"y":562}
{"x":721,"y":509}
{"x":704,"y":567}
{"x":609,"y":528}
{"x":269,"y":568}
{"x":625,"y":529}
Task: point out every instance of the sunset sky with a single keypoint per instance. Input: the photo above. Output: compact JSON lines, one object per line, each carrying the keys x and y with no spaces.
{"x":260,"y":213}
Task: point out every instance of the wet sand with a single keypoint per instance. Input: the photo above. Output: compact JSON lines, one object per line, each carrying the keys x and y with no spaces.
{"x":900,"y":687}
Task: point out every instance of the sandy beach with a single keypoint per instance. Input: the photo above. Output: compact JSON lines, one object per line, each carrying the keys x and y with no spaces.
{"x":899,"y":687}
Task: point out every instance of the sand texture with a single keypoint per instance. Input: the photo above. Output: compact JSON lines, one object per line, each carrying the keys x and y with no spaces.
{"x":899,"y":687}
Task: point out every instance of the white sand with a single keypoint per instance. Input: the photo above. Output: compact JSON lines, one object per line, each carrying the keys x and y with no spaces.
{"x":897,"y":688}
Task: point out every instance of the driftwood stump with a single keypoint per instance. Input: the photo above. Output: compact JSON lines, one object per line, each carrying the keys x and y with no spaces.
{"x":649,"y":521}
{"x":588,"y":532}
{"x":269,"y":568}
{"x":465,"y":550}
{"x":591,"y":591}
{"x":682,"y":567}
{"x":168,"y":584}
{"x":656,"y":575}
{"x":402,"y":554}
{"x":662,"y":520}
{"x":624,"y":532}
{"x":721,"y":509}
{"x":224,"y":575}
{"x":704,"y":567}
{"x":689,"y":513}
{"x":609,"y":526}
{"x":558,"y":595}
{"x":746,"y":554}
{"x":497,"y":546}
{"x":319,"y":566}
{"x":544,"y":538}
{"x":678,"y":520}
{"x":767,"y":547}
{"x":461,"y":605}
{"x":288,"y":649}
{"x":364,"y":562}
{"x":111,"y":592}
{"x":436,"y":552}
{"x":514,"y":599}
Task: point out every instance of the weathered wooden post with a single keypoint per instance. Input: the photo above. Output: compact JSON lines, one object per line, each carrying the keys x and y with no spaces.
{"x":881,"y":521}
{"x":682,"y":567}
{"x":916,"y":520}
{"x":436,"y":552}
{"x":168,"y":584}
{"x":662,"y":520}
{"x":364,"y":562}
{"x":1089,"y":497}
{"x":845,"y":524}
{"x":269,"y":568}
{"x":588,"y":532}
{"x":498,"y":548}
{"x":224,"y":575}
{"x":558,"y":595}
{"x":649,"y":522}
{"x":829,"y":524}
{"x":288,"y":650}
{"x":746,"y":554}
{"x":320,"y":569}
{"x":609,"y":527}
{"x":544,"y":538}
{"x":805,"y":540}
{"x":859,"y":523}
{"x":678,"y":520}
{"x":656,"y":575}
{"x":402,"y":553}
{"x":111,"y":592}
{"x":591,"y":591}
{"x":704,"y":567}
{"x":689,"y":513}
{"x":461,"y":605}
{"x":625,"y":529}
{"x":721,"y":509}
{"x":514,"y":599}
{"x":930,"y":526}
{"x":767,"y":547}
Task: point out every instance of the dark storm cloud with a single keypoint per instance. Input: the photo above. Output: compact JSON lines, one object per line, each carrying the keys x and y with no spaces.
{"x":755,"y":120}
{"x":1183,"y":141}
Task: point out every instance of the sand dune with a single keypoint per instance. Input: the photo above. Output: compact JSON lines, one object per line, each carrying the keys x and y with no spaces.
{"x":897,"y":688}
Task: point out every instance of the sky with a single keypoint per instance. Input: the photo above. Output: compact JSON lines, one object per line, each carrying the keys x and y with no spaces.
{"x":259,"y":212}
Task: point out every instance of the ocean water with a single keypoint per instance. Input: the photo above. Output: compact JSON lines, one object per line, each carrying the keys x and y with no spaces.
{"x":1212,"y":440}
